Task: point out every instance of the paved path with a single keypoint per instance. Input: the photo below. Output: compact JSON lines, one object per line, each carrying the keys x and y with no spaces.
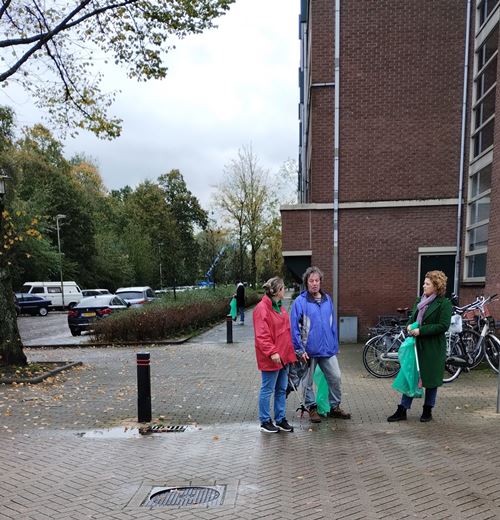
{"x":364,"y":468}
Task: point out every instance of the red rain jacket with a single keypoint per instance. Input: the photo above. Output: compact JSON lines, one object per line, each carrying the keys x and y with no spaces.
{"x":272,"y":336}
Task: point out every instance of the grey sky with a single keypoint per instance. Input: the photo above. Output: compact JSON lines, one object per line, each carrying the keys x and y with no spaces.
{"x":228,"y":87}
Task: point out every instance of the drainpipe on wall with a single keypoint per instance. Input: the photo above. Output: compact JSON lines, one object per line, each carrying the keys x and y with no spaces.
{"x":335,"y":284}
{"x":456,"y":284}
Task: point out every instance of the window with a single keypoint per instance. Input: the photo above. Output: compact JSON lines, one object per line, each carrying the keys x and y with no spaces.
{"x":478,"y":214}
{"x":476,"y":266}
{"x":484,"y":9}
{"x":484,"y":94}
{"x":38,"y":290}
{"x":54,"y":290}
{"x":482,"y":141}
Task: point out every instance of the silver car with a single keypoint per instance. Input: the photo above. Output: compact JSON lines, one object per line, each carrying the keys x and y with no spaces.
{"x":136,"y":296}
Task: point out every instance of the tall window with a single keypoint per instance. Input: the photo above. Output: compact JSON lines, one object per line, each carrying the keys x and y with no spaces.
{"x":477,"y":222}
{"x":484,"y":89}
{"x":482,"y":141}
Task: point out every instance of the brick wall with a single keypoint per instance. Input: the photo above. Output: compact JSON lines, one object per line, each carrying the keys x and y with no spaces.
{"x":378,"y":267}
{"x":322,"y":100}
{"x":401,"y":95}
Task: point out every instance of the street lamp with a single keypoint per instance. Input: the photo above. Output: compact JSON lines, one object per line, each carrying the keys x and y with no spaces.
{"x":60,"y":217}
{"x":160,"y":245}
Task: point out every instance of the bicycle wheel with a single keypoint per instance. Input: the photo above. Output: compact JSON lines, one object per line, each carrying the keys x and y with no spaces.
{"x":374,"y":349}
{"x":492,"y":351}
{"x":473,"y":346}
{"x":455,"y":349}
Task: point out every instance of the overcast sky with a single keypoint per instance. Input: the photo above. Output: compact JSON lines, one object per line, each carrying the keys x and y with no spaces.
{"x":228,"y":87}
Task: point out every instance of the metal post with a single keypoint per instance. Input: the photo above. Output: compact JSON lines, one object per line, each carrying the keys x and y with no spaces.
{"x":229,"y":329}
{"x":143,"y":387}
{"x":160,"y":245}
{"x":60,"y":256}
{"x":498,"y":389}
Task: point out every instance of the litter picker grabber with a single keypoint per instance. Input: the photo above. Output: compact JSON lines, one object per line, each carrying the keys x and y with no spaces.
{"x":418,"y":366}
{"x":302,"y":407}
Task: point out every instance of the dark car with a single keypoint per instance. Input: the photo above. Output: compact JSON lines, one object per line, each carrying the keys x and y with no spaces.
{"x":29,"y":304}
{"x":89,"y":310}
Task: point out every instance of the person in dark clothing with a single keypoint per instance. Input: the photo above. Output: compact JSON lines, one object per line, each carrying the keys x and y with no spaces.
{"x":240,"y":301}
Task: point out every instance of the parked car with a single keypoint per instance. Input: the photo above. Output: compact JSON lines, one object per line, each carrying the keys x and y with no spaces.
{"x":52,"y":291}
{"x":89,"y":310}
{"x":136,"y":296}
{"x":94,"y":292}
{"x":30,"y":304}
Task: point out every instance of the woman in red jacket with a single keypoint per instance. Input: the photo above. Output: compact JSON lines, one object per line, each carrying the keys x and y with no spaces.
{"x":274,"y":351}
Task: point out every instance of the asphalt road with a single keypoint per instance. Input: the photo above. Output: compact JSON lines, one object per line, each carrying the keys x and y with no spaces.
{"x":48,"y":330}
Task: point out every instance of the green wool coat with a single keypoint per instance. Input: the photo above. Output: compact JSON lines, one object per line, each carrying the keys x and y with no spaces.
{"x":431,"y":343}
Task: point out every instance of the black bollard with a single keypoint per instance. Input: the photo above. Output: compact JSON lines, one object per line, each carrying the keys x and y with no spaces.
{"x":229,"y":329}
{"x":143,"y":387}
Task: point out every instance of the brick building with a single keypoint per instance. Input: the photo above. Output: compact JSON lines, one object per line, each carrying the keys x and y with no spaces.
{"x":396,"y":160}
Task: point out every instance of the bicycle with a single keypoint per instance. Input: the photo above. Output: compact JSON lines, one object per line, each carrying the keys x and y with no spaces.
{"x":468,"y":348}
{"x":380,"y":353}
{"x":464,"y":349}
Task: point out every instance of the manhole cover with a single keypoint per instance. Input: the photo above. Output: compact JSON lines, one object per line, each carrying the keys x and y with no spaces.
{"x":185,"y":496}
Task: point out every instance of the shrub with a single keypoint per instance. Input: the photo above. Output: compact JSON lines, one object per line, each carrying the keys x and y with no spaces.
{"x":190,"y":311}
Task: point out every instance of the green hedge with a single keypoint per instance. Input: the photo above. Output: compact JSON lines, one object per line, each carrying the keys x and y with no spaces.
{"x":190,"y":311}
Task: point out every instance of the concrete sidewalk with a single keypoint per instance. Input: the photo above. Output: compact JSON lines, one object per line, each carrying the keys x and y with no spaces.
{"x":357,"y":469}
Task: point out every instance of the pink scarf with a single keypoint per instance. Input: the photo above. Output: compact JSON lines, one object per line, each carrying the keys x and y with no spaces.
{"x":425,"y":301}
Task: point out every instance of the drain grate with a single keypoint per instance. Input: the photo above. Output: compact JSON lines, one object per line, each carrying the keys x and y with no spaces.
{"x":185,"y":496}
{"x":162,"y":428}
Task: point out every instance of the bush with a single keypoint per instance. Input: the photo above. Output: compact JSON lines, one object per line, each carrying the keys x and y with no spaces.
{"x":190,"y":311}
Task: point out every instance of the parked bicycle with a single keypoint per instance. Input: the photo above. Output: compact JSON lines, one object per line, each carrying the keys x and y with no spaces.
{"x":380,"y":354}
{"x":468,"y":348}
{"x":465,"y":347}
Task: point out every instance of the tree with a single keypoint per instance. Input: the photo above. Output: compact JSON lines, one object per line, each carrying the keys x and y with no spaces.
{"x":46,"y":53}
{"x":187,"y":213}
{"x":46,"y":182}
{"x":246,"y":199}
{"x":14,"y":229}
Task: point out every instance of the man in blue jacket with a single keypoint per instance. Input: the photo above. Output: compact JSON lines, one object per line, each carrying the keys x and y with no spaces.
{"x":315,"y":338}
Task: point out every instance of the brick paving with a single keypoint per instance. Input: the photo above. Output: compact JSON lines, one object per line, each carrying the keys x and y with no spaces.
{"x":364,"y":468}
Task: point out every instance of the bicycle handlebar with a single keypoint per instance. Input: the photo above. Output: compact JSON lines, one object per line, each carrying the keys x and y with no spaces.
{"x":479,"y":303}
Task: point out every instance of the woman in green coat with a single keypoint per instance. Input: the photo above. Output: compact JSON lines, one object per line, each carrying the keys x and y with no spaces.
{"x":433,"y":313}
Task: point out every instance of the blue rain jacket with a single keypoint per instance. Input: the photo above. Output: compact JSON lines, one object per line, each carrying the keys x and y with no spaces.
{"x":314,"y":326}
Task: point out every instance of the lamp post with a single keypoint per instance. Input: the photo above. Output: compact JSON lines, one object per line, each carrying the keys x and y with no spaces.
{"x":160,"y":245}
{"x":60,"y":217}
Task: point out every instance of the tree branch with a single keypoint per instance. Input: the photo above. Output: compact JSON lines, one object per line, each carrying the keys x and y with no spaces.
{"x":64,"y":25}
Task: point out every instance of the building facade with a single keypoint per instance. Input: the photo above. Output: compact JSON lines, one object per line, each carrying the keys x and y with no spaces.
{"x":396,"y":161}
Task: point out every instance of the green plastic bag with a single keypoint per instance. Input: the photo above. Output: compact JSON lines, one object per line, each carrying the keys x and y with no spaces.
{"x":233,"y":309}
{"x":407,"y":380}
{"x":321,"y":392}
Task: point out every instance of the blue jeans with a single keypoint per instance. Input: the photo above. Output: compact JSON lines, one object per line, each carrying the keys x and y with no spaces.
{"x":242,"y":314}
{"x":274,"y":381}
{"x":331,"y":370}
{"x":430,"y":398}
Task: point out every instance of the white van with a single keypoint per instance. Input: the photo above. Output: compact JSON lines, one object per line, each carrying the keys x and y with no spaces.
{"x":52,"y":291}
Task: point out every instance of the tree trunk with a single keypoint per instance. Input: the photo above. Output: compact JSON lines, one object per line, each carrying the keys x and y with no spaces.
{"x":11,"y":347}
{"x":254,"y":267}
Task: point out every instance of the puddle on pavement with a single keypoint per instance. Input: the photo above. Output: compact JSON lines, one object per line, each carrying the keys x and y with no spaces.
{"x":130,"y":433}
{"x":112,"y":433}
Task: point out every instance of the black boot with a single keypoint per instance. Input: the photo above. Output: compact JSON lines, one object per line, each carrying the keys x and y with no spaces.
{"x":426,"y":414}
{"x":399,"y":415}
